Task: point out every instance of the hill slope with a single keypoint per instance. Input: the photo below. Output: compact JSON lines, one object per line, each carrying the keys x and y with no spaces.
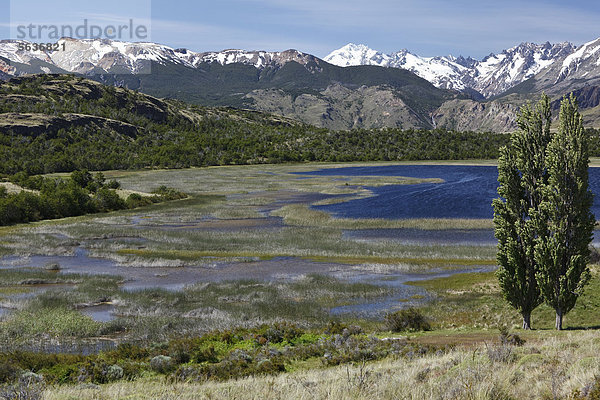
{"x":51,"y":123}
{"x":265,"y":81}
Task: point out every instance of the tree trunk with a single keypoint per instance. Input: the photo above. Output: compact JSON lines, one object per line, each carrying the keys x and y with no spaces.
{"x":527,"y":320}
{"x":559,"y":319}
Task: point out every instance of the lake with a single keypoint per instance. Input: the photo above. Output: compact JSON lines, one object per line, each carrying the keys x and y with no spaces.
{"x":467,"y":192}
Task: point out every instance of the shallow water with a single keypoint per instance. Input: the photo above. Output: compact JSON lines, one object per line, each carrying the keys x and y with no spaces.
{"x":404,"y":295}
{"x":100,"y":313}
{"x":467,"y":192}
{"x":412,"y":200}
{"x":276,"y":269}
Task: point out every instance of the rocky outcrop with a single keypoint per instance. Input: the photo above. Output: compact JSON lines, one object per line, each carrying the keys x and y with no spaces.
{"x":341,"y":108}
{"x":469,"y":115}
{"x":33,"y":125}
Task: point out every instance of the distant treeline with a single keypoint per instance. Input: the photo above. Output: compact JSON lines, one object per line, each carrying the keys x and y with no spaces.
{"x":226,"y":142}
{"x":164,"y":137}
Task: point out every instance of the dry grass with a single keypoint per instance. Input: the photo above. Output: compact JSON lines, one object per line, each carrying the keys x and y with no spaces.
{"x":553,"y":367}
{"x":12,"y":188}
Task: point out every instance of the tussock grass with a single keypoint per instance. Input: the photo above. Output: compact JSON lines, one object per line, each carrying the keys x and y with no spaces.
{"x":48,"y":322}
{"x":255,"y":178}
{"x":554,"y":367}
{"x":418,"y":262}
{"x":157,"y":314}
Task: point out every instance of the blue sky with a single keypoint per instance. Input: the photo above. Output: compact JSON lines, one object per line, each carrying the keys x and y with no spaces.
{"x":426,"y":27}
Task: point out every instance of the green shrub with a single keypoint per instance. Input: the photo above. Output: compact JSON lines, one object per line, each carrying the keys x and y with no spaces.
{"x":134,"y":200}
{"x":114,"y":373}
{"x":162,"y":364}
{"x":8,"y":371}
{"x":511,"y":339}
{"x":128,"y":351}
{"x":82,"y":178}
{"x":30,"y":361}
{"x":113,"y":184}
{"x":280,"y":331}
{"x":409,"y":319}
{"x":108,"y":200}
{"x":181,"y":350}
{"x":61,"y":374}
{"x":167,"y":193}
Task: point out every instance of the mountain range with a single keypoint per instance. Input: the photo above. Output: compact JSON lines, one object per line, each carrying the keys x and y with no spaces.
{"x":490,"y":77}
{"x":353,"y":87}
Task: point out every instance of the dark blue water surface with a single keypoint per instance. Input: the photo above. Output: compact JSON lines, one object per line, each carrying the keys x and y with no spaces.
{"x":467,"y":192}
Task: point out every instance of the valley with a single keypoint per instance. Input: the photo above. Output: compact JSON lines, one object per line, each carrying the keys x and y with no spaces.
{"x":273,"y":224}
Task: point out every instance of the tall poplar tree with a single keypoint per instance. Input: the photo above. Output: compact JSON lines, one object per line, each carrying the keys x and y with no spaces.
{"x":562,"y":252}
{"x":521,"y":175}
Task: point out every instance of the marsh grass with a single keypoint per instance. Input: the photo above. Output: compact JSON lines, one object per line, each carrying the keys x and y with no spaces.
{"x":466,"y":306}
{"x":158,"y":314}
{"x":254,"y":178}
{"x":314,"y":243}
{"x":13,"y":277}
{"x":313,"y":234}
{"x":50,"y":322}
{"x":303,"y":215}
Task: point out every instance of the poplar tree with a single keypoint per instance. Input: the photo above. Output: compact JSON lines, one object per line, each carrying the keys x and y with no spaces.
{"x":566,"y":222}
{"x":521,"y":175}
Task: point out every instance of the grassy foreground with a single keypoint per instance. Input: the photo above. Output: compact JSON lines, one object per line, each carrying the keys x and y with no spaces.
{"x":557,"y":367}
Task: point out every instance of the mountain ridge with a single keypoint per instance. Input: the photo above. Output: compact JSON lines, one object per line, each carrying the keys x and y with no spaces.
{"x":491,"y":76}
{"x":425,"y":93}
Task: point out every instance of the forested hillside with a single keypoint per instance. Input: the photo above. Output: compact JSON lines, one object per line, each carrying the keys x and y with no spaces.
{"x":61,"y":123}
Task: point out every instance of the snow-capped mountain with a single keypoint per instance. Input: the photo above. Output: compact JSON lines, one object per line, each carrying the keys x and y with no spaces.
{"x":490,"y":76}
{"x":86,"y":56}
{"x":579,"y":69}
{"x":323,"y":93}
{"x":443,"y":72}
{"x":497,"y":73}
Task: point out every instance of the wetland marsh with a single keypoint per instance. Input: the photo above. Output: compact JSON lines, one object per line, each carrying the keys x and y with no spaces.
{"x":251,"y":275}
{"x":250,"y":245}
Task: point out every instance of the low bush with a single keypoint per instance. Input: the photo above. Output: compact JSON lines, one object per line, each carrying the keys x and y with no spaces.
{"x":162,"y":364}
{"x":128,"y":351}
{"x":409,"y":319}
{"x":8,"y":371}
{"x":167,"y":193}
{"x":280,"y":331}
{"x":135,"y":200}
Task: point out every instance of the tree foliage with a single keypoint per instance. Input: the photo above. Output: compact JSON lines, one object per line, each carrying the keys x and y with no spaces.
{"x":521,"y":171}
{"x":156,"y":133}
{"x":543,"y":219}
{"x":566,"y":220}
